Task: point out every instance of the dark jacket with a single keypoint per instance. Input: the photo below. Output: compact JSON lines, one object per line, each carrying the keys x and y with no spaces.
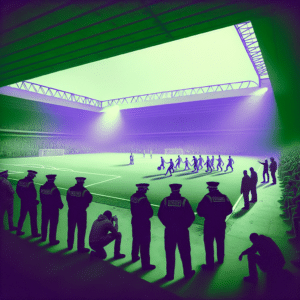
{"x":254,"y":179}
{"x":26,"y":191}
{"x":78,"y":198}
{"x":246,"y":184}
{"x":175,"y":212}
{"x":50,"y":197}
{"x":214,"y":207}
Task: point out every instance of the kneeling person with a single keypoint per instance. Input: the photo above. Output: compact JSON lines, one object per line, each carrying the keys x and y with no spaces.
{"x":99,"y":236}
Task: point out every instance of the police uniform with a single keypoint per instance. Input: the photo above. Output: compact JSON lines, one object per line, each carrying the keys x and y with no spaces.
{"x":176,"y":214}
{"x":51,"y":203}
{"x":6,"y":200}
{"x":214,"y":207}
{"x":78,"y":198}
{"x":245,"y":189}
{"x":141,"y":212}
{"x":27,"y":193}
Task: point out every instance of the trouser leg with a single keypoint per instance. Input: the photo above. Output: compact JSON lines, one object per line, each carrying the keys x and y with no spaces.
{"x":71,"y":230}
{"x":33,"y":220}
{"x":253,"y":194}
{"x":220,"y":239}
{"x":184,"y":248}
{"x":135,"y":244}
{"x":253,"y":260}
{"x":209,"y":246}
{"x":2,"y":212}
{"x":117,"y":247}
{"x":23,"y":213}
{"x":170,"y":247}
{"x":273,"y":177}
{"x":81,"y":225}
{"x":10,"y":214}
{"x":246,"y":199}
{"x":145,"y":250}
{"x":44,"y":227}
{"x":53,"y":227}
{"x":98,"y":248}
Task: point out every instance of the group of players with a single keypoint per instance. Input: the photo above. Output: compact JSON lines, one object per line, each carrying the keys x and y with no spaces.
{"x":197,"y":163}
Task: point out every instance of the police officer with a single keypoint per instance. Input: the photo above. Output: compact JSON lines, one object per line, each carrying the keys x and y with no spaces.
{"x":214,"y":207}
{"x":51,"y":203}
{"x":78,"y":198}
{"x":176,"y":214}
{"x":27,"y":193}
{"x":245,"y":189}
{"x":6,"y":200}
{"x":141,"y":212}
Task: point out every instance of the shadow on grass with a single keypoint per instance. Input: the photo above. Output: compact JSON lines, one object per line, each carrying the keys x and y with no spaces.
{"x":260,"y":185}
{"x":269,"y":185}
{"x":185,"y":174}
{"x":150,"y":176}
{"x":198,"y":175}
{"x":124,"y":165}
{"x":240,"y":213}
{"x":222,"y":174}
{"x":159,"y":178}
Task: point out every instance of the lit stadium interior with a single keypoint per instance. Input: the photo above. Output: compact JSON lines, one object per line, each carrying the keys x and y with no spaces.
{"x":85,"y":84}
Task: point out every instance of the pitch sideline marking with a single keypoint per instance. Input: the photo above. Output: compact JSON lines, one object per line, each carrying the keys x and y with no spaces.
{"x":102,"y":181}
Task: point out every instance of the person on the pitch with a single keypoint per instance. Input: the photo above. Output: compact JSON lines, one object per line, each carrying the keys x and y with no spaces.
{"x":212,"y":161}
{"x":273,"y":168}
{"x":245,"y":189}
{"x":141,"y":212}
{"x":200,"y":161}
{"x":195,"y":164}
{"x":100,"y":236}
{"x":178,"y":160}
{"x":171,"y":167}
{"x":162,"y":164}
{"x":79,"y":199}
{"x":144,"y":153}
{"x":27,"y":193}
{"x":51,"y":204}
{"x":214,"y":207}
{"x":131,"y":159}
{"x":229,"y":165}
{"x":208,"y":164}
{"x":253,"y":185}
{"x":186,"y":163}
{"x":269,"y":260}
{"x":176,"y":214}
{"x":150,"y":153}
{"x":265,"y":171}
{"x":6,"y":200}
{"x":220,"y":163}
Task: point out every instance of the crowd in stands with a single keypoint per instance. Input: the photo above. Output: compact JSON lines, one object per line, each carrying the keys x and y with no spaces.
{"x":289,"y":174}
{"x":28,"y":146}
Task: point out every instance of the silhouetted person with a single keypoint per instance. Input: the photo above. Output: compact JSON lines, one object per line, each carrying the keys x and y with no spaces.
{"x":220,"y":163}
{"x":6,"y":200}
{"x":79,"y":199}
{"x":176,"y":214}
{"x":265,"y":171}
{"x":151,"y":154}
{"x":27,"y":193}
{"x":100,"y":236}
{"x":195,"y":164}
{"x":51,"y":204}
{"x":162,"y":164}
{"x":131,"y":159}
{"x":200,"y":162}
{"x":253,"y":180}
{"x":214,"y":207}
{"x":171,"y":167}
{"x":212,"y":161}
{"x":229,"y":165}
{"x":178,"y":160}
{"x":273,"y":168}
{"x":245,"y":189}
{"x":141,"y":212}
{"x":186,"y":164}
{"x":269,"y":260}
{"x":208,"y":164}
{"x":144,"y":153}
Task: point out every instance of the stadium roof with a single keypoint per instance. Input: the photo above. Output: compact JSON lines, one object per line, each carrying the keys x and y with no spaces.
{"x":42,"y":37}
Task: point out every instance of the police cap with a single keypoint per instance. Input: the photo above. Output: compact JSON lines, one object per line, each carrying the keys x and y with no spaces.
{"x":4,"y":173}
{"x":80,"y":179}
{"x":51,"y":176}
{"x":142,"y":186}
{"x":175,"y":186}
{"x":212,"y":184}
{"x":31,"y":172}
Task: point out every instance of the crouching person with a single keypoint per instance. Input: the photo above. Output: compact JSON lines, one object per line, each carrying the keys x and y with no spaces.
{"x":100,"y":236}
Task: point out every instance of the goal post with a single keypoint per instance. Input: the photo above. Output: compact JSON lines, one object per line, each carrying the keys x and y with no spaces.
{"x":51,"y":152}
{"x":177,"y":151}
